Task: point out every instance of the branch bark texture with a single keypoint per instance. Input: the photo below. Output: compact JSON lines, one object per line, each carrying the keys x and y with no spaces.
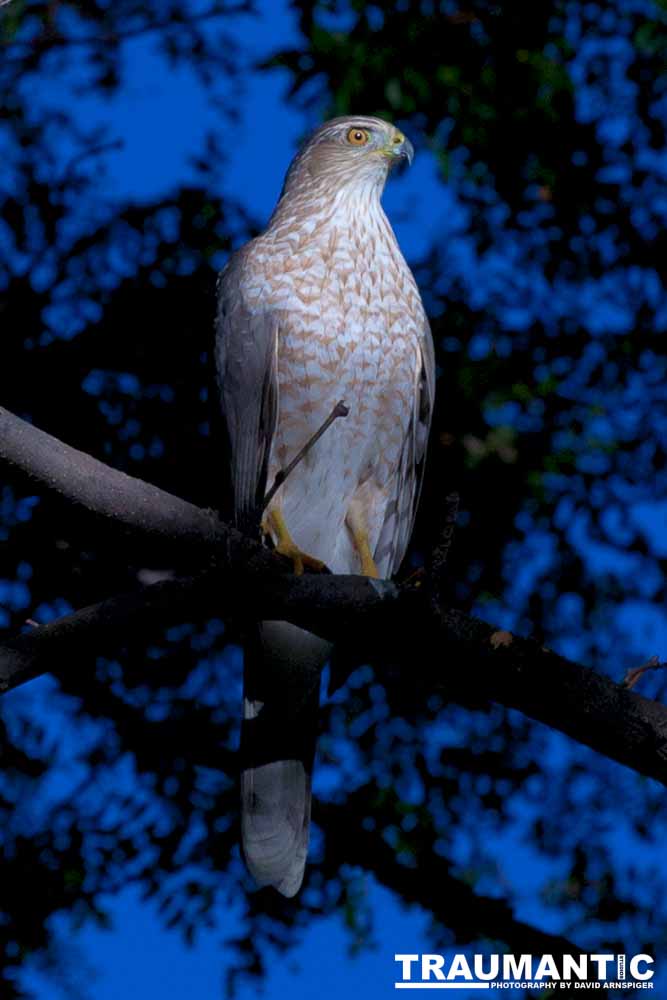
{"x":394,"y":628}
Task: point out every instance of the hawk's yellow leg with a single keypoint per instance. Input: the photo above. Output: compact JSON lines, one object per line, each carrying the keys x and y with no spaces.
{"x":285,"y":546}
{"x":360,"y":538}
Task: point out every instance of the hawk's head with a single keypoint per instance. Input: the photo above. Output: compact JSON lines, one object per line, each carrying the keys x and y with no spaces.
{"x":351,"y":150}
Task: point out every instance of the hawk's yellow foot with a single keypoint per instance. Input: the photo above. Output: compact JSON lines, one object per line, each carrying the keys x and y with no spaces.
{"x":285,"y":545}
{"x":362,"y":545}
{"x":368,"y":567}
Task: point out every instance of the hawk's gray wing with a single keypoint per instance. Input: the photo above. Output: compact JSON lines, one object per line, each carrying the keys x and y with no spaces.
{"x":401,"y":512}
{"x":282,"y":663}
{"x":245,"y":361}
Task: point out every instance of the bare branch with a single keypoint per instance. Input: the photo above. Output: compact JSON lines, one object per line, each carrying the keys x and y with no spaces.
{"x":227,"y":589}
{"x":585,"y":705}
{"x":463,"y":661}
{"x":459,"y":657}
{"x":121,"y":501}
{"x":633,"y":675}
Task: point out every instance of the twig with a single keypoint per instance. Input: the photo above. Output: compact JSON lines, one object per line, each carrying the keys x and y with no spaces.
{"x":339,"y":410}
{"x":633,"y":675}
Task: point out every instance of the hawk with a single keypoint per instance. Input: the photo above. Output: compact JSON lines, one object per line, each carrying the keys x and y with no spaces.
{"x":320,"y":307}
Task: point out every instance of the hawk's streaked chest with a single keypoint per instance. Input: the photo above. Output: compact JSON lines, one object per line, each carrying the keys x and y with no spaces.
{"x":351,"y":325}
{"x":353,"y":318}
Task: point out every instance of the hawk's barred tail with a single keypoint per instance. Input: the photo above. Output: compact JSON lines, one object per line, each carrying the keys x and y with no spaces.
{"x":280,"y":717}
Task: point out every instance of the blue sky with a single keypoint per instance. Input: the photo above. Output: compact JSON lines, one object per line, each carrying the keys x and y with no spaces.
{"x":162,"y":118}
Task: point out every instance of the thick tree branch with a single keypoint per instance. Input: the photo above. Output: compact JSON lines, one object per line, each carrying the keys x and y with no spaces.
{"x":99,"y":488}
{"x":449,"y":653}
{"x":326,"y":603}
{"x":123,"y":502}
{"x":466,"y":658}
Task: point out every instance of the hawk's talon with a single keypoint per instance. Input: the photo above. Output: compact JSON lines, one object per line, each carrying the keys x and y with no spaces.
{"x":300,"y":560}
{"x":274,"y":524}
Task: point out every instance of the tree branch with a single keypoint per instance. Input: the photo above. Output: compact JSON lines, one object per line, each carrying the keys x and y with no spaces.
{"x":123,"y":502}
{"x":328,"y":604}
{"x":458,"y":657}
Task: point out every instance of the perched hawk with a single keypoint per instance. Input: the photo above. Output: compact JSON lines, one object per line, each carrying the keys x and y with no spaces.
{"x":321,"y":307}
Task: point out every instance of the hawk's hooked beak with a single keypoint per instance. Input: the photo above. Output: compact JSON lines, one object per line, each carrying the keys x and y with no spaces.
{"x":399,"y":148}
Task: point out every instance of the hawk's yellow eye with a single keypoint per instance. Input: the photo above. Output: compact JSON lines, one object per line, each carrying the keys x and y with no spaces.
{"x":358,"y":136}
